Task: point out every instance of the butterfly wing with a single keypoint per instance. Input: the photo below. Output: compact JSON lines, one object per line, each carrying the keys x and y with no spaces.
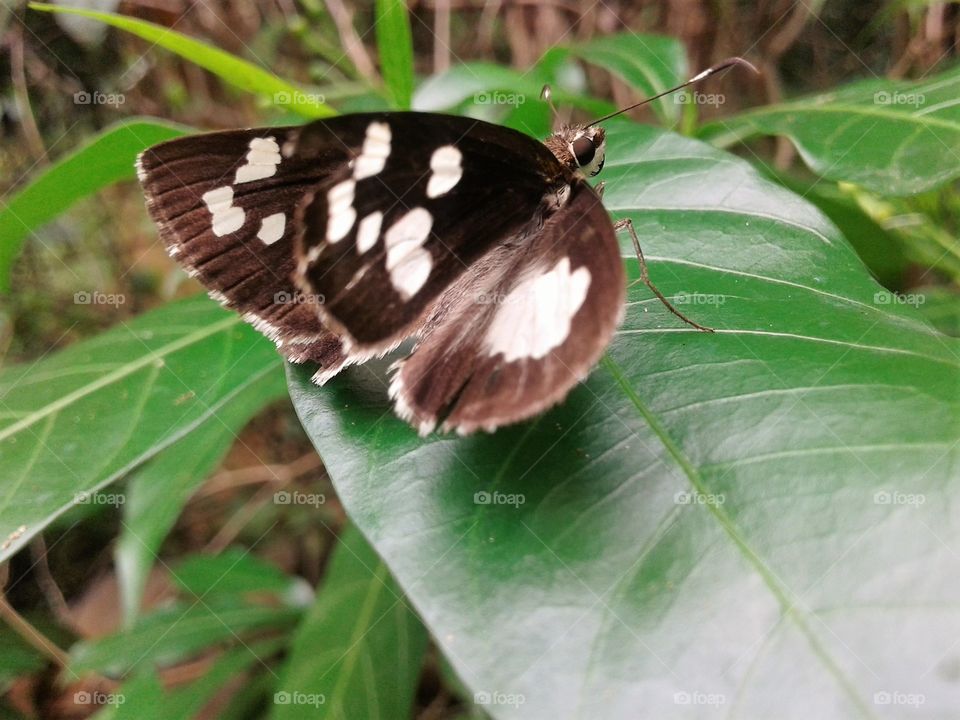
{"x":511,"y":339}
{"x":224,"y":203}
{"x":421,"y":199}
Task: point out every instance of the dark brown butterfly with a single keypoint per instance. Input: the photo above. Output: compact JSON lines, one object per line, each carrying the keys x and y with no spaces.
{"x":343,"y":238}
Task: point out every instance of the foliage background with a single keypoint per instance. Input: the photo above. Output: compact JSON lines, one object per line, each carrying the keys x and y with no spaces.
{"x":195,"y":555}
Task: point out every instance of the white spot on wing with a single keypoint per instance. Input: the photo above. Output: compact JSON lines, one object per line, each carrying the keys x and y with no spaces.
{"x":271,"y":228}
{"x":227,"y":217}
{"x":536,"y":316}
{"x":340,"y":211}
{"x":447,"y":169}
{"x":262,"y":161}
{"x":411,"y":273}
{"x":376,"y":150}
{"x":368,"y":231}
{"x":408,"y":262}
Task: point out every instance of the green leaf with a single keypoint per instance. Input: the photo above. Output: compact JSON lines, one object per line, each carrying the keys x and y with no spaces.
{"x":877,"y":247}
{"x":236,"y":572}
{"x":16,"y":659}
{"x":108,"y":158}
{"x":176,"y":633}
{"x":75,"y":421}
{"x":648,"y":63}
{"x":156,"y":494}
{"x":143,"y":698}
{"x":754,"y":518}
{"x":185,"y":703}
{"x":941,"y":306}
{"x":139,"y":698}
{"x":894,"y":138}
{"x":238,"y":72}
{"x":483,"y":85}
{"x":395,"y":45}
{"x":922,"y":236}
{"x":248,"y":700}
{"x":358,"y":652}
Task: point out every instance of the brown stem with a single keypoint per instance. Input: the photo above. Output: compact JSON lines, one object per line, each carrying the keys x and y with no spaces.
{"x":33,"y":637}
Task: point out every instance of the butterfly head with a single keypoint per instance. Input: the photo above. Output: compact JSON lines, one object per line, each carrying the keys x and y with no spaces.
{"x":580,"y":148}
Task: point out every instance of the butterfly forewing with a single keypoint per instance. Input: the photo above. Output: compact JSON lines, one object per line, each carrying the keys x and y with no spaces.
{"x":225,"y":204}
{"x":512,"y":338}
{"x":424,"y":198}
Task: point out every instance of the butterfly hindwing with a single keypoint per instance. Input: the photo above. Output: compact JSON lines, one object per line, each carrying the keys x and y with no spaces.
{"x":423,"y":199}
{"x":224,"y":203}
{"x":512,"y":338}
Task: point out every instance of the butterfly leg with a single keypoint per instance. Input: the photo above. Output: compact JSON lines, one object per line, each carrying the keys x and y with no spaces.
{"x":645,"y":275}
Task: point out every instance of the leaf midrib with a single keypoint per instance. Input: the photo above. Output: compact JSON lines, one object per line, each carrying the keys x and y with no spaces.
{"x":726,"y":524}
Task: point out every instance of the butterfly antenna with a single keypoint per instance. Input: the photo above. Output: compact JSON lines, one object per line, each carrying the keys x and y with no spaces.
{"x":729,"y":62}
{"x":547,"y":96}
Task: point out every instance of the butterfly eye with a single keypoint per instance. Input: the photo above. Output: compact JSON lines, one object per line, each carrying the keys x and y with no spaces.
{"x":583,"y":150}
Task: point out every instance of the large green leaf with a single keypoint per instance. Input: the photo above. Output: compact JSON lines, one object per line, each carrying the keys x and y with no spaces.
{"x":77,"y":420}
{"x":894,"y":138}
{"x":238,"y":72}
{"x":760,"y":520}
{"x":358,"y":652}
{"x":107,"y":158}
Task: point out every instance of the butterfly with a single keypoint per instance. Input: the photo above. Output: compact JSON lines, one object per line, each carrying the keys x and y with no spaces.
{"x":342,"y":239}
